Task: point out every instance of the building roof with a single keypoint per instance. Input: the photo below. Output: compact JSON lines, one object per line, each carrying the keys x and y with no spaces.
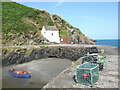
{"x":50,"y":28}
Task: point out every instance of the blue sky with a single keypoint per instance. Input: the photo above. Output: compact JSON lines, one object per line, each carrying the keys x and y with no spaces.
{"x":97,"y":20}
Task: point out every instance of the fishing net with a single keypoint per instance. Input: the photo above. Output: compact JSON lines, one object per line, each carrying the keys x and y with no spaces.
{"x":93,"y":59}
{"x":87,"y":73}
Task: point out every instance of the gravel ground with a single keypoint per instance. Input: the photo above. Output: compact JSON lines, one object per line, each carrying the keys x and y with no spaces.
{"x":108,"y":78}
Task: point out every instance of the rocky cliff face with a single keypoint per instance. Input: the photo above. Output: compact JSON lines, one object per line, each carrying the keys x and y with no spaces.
{"x":22,"y":25}
{"x":67,"y":30}
{"x":21,"y":55}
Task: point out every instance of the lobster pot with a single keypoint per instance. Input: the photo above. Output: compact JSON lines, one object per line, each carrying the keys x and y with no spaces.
{"x":101,"y":65}
{"x":87,"y":73}
{"x":92,"y":59}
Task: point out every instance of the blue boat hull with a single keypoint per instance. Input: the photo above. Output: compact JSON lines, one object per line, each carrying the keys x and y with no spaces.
{"x":19,"y":75}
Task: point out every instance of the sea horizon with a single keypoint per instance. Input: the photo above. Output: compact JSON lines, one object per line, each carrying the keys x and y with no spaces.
{"x":109,"y":42}
{"x":106,"y":39}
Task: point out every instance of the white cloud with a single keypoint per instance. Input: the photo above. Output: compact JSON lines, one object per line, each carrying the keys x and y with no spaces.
{"x":60,"y":2}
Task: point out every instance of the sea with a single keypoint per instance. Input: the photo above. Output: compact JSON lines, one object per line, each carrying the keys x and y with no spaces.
{"x":109,"y":42}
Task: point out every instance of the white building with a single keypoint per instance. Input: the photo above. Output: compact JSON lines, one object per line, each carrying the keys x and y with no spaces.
{"x":51,"y":33}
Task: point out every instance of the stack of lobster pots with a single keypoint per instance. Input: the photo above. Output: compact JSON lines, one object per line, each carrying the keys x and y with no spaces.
{"x":88,"y":72}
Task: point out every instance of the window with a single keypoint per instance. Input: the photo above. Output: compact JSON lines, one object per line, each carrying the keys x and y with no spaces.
{"x":52,"y":34}
{"x":61,"y":39}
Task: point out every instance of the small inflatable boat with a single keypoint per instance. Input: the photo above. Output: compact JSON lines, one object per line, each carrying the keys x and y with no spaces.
{"x":19,"y":73}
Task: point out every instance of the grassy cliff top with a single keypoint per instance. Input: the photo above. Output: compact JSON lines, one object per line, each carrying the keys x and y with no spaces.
{"x":20,"y":22}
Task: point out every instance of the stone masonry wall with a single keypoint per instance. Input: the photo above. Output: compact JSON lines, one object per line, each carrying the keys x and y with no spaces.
{"x":21,"y":55}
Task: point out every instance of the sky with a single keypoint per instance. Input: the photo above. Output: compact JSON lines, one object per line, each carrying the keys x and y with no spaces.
{"x":97,"y":20}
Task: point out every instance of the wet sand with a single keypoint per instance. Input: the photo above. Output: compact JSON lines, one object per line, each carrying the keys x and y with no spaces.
{"x":42,"y":71}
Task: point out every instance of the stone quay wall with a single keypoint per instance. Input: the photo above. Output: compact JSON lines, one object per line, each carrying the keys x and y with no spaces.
{"x":16,"y":55}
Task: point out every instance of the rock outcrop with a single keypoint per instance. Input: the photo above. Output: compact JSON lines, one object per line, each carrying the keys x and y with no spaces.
{"x":22,"y":55}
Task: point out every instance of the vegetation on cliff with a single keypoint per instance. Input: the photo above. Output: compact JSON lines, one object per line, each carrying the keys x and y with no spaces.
{"x":16,"y":55}
{"x":22,"y":25}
